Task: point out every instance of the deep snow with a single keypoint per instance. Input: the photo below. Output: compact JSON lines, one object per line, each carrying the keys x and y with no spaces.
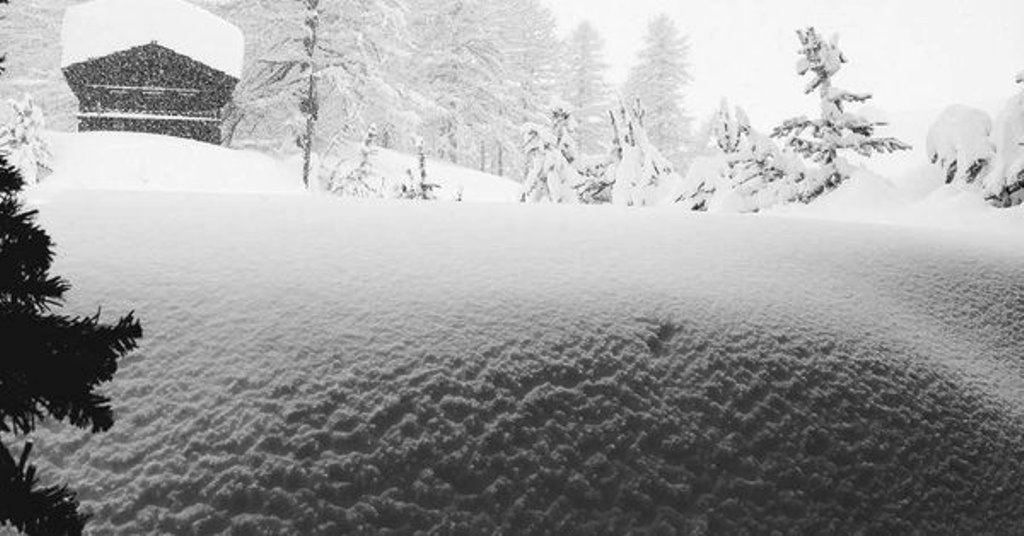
{"x":313,"y":365}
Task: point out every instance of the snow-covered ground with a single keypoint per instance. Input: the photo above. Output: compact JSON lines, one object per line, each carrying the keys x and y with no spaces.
{"x":148,"y":162}
{"x":318,"y":366}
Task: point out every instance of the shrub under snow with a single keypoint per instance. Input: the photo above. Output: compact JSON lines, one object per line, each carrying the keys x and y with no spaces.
{"x":1005,"y":184}
{"x":641,"y":176}
{"x":21,"y":141}
{"x":959,"y":143}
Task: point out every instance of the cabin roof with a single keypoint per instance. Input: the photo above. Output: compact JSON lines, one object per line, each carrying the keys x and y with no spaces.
{"x":99,"y":28}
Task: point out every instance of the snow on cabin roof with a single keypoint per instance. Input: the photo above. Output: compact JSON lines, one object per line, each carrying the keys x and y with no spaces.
{"x":102,"y":27}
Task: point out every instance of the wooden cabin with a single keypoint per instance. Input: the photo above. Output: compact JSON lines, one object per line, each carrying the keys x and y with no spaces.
{"x":155,"y":66}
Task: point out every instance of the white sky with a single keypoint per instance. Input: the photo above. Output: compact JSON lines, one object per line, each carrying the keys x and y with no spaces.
{"x":911,"y":54}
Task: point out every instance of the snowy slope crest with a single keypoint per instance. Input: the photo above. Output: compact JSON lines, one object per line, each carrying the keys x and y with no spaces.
{"x":319,"y":367}
{"x":149,"y":162}
{"x":99,"y":28}
{"x":454,"y":182}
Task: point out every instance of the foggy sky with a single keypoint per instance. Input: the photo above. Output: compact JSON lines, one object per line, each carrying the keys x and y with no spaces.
{"x":911,"y":54}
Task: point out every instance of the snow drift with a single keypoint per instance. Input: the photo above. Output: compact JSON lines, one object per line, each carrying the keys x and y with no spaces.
{"x":313,"y":366}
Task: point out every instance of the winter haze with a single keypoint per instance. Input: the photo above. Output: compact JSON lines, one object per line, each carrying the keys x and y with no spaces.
{"x":912,"y":54}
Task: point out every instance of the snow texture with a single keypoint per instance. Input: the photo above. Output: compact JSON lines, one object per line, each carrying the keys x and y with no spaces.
{"x":99,"y":28}
{"x":314,"y":366}
{"x":959,"y":143}
{"x":318,"y":366}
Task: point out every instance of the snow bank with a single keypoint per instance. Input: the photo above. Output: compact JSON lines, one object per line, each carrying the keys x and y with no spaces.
{"x":313,"y":366}
{"x":149,"y":162}
{"x":102,"y":27}
{"x":919,"y":199}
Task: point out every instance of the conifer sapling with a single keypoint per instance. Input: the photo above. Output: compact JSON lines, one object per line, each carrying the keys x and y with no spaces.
{"x":837,"y":130}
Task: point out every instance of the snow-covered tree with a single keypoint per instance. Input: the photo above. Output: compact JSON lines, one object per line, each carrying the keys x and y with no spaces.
{"x":364,"y":181}
{"x":21,"y":141}
{"x":551,"y":155}
{"x":30,"y":33}
{"x":959,"y":143}
{"x":747,"y":172}
{"x":836,"y":130}
{"x":641,"y":176}
{"x":658,"y":80}
{"x":585,"y":87}
{"x":1004,"y":185}
{"x":456,"y":66}
{"x":333,"y":56}
{"x":418,"y":186}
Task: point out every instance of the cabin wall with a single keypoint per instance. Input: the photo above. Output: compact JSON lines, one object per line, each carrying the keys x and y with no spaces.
{"x":151,"y":89}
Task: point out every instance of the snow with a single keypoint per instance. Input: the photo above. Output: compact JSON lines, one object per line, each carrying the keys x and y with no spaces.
{"x":918,"y":199}
{"x":99,"y":28}
{"x":313,"y":365}
{"x":149,"y":162}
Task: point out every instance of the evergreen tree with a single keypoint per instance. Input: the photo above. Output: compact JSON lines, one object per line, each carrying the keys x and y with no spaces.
{"x":658,"y":80}
{"x":21,"y":141}
{"x":418,"y":186}
{"x":641,"y":176}
{"x":837,"y":130}
{"x":334,"y":61}
{"x":52,"y":366}
{"x":457,"y":66}
{"x":747,"y":173}
{"x":363,"y":181}
{"x":585,"y":88}
{"x":530,"y":55}
{"x":1004,"y":185}
{"x":551,"y":155}
{"x":959,"y":143}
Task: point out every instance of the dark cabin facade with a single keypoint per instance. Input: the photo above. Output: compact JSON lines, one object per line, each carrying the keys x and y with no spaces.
{"x":152,"y":89}
{"x":155,"y":66}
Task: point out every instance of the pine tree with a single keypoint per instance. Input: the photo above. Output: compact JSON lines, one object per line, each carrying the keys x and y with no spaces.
{"x":332,"y":65}
{"x":418,"y":186}
{"x":1004,"y":185}
{"x":641,"y":176}
{"x":658,"y":80}
{"x":21,"y":141}
{"x":52,"y":366}
{"x":530,"y":54}
{"x":551,"y":155}
{"x":585,"y":88}
{"x":959,"y":143}
{"x":363,"y":181}
{"x":837,"y":130}
{"x":457,"y":66}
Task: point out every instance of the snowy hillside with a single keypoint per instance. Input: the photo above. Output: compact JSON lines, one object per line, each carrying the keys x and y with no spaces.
{"x":146,"y":162}
{"x":313,"y":366}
